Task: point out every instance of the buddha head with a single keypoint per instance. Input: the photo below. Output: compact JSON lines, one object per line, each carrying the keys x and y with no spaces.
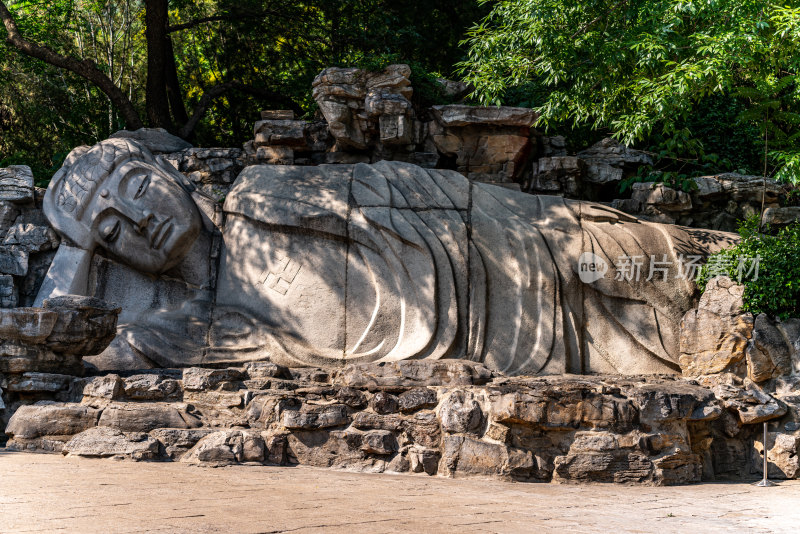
{"x":118,"y":196}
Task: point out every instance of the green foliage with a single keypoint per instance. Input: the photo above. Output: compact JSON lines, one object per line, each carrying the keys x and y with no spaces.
{"x":274,"y":46}
{"x":774,"y":288}
{"x":647,"y":70}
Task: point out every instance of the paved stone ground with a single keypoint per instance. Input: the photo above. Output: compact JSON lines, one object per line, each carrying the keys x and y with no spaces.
{"x":47,"y":493}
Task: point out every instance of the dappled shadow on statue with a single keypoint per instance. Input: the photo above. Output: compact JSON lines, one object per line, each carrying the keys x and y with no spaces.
{"x":340,"y":264}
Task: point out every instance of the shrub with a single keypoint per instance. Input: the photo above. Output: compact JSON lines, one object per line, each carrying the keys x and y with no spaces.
{"x":767,"y":265}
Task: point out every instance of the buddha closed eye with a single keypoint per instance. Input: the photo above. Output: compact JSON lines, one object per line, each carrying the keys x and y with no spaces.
{"x":143,"y":217}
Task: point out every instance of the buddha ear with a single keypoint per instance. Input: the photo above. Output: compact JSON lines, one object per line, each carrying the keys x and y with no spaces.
{"x":68,"y":274}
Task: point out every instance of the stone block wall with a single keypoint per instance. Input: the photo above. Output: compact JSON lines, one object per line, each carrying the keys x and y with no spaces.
{"x":27,"y":243}
{"x":447,"y":418}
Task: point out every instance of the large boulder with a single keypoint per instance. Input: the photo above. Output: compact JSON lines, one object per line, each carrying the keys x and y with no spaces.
{"x":49,"y":419}
{"x":85,"y":325}
{"x":715,"y":335}
{"x":16,"y":184}
{"x":104,"y":442}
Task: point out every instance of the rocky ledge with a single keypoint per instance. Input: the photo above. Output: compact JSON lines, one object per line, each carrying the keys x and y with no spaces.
{"x":446,"y":418}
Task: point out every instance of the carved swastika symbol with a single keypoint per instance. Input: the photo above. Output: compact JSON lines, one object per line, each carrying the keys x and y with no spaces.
{"x":280,"y":278}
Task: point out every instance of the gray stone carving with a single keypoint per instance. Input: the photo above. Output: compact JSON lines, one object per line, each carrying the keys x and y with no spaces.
{"x":341,"y":264}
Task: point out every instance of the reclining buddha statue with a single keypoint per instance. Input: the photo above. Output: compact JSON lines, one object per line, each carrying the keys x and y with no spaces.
{"x":334,"y":264}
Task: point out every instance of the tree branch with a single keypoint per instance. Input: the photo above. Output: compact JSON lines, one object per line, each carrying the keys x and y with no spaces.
{"x":218,"y":90}
{"x":86,"y":68}
{"x":225,"y":16}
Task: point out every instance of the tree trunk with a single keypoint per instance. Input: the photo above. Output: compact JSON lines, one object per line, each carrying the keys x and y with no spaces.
{"x":174,"y":92}
{"x":156,"y":102}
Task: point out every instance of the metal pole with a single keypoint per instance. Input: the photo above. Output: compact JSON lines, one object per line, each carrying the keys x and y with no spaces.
{"x":765,"y":482}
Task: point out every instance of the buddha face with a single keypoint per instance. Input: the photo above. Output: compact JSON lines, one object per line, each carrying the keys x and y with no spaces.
{"x":143,"y":217}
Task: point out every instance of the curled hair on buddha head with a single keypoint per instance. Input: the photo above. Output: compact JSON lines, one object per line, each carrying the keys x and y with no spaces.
{"x":73,"y":187}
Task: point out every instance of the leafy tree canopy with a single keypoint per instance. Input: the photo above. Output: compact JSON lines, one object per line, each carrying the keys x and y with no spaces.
{"x":647,"y":70}
{"x":215,"y":61}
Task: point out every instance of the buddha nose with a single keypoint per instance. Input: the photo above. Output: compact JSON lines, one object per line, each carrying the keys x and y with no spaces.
{"x":142,"y":224}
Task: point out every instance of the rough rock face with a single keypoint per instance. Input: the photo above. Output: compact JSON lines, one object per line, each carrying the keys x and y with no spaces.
{"x":718,"y":337}
{"x":16,"y":184}
{"x":41,"y":348}
{"x":27,"y":243}
{"x":489,"y":144}
{"x":593,"y":173}
{"x":714,"y":336}
{"x":369,"y":117}
{"x":447,"y":418}
{"x":717,"y":202}
{"x":212,"y":170}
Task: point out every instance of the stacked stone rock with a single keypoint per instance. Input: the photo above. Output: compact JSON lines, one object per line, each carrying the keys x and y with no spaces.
{"x":592,"y":174}
{"x":449,"y":418}
{"x":369,"y":117}
{"x":717,"y":202}
{"x":27,"y":243}
{"x":751,"y":364}
{"x":282,"y":140}
{"x":213,"y":170}
{"x":41,"y":349}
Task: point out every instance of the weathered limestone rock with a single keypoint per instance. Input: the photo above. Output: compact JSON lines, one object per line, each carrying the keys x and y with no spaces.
{"x":714,"y":336}
{"x":469,"y":456}
{"x":226,"y":448}
{"x":178,"y":441}
{"x":610,"y":152}
{"x":28,"y":325}
{"x":461,"y":414}
{"x":280,"y":132}
{"x":496,"y":155}
{"x":461,"y":115}
{"x":423,"y":460}
{"x":384,"y":403}
{"x":157,"y":140}
{"x":380,"y":442}
{"x":316,"y":417}
{"x":768,"y":354}
{"x":8,"y":214}
{"x":213,"y":170}
{"x":37,"y":382}
{"x":32,"y":238}
{"x":277,"y":114}
{"x":49,"y":419}
{"x":783,"y":450}
{"x":16,"y":184}
{"x":416,"y":399}
{"x":104,"y":442}
{"x":781,"y":216}
{"x":650,"y":430}
{"x":8,"y":291}
{"x":737,"y":187}
{"x":411,"y":373}
{"x":151,"y":387}
{"x":364,"y":108}
{"x":196,"y":379}
{"x":559,"y":175}
{"x":85,"y":325}
{"x":748,"y":400}
{"x":103,"y":387}
{"x":138,"y":417}
{"x":660,"y":202}
{"x":13,"y":260}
